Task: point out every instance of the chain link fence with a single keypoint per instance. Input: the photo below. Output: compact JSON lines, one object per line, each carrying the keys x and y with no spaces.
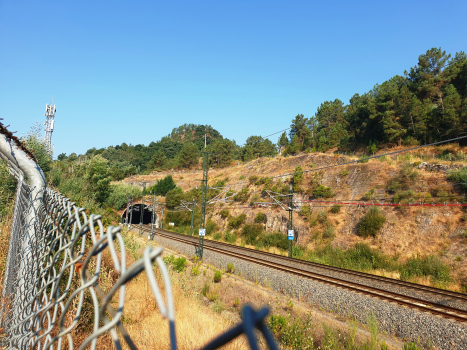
{"x":53,"y":271}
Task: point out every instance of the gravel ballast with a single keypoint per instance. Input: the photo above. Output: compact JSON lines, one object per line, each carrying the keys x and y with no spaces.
{"x":403,"y":322}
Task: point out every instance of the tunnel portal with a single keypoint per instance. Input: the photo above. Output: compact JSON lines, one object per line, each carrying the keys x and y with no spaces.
{"x":136,"y":208}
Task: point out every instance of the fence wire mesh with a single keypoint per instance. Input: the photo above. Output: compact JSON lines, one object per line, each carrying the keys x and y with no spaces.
{"x":52,"y":275}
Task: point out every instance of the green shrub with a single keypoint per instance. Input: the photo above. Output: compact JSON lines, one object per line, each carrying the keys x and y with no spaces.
{"x":425,"y":267}
{"x":293,"y":332}
{"x":236,"y":221}
{"x":344,"y":172}
{"x":217,"y":236}
{"x":404,"y":197}
{"x":224,"y":213}
{"x":211,"y":227}
{"x":241,"y":177}
{"x":168,"y":260}
{"x":217,"y":276}
{"x":230,"y":268}
{"x":229,"y":237}
{"x":329,"y":232}
{"x":371,"y":223}
{"x":252,"y":178}
{"x":322,"y":192}
{"x":251,"y":232}
{"x":242,"y":196}
{"x":206,"y":287}
{"x":322,"y":217}
{"x":260,"y":218}
{"x":119,"y":195}
{"x":275,"y":239}
{"x":179,"y":264}
{"x":406,"y":178}
{"x":195,"y":270}
{"x":298,"y":178}
{"x":163,"y":186}
{"x":336,"y":208}
{"x":458,"y":176}
{"x":305,"y":211}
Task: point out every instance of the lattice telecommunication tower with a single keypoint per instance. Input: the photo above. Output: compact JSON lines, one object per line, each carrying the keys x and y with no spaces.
{"x":49,"y":126}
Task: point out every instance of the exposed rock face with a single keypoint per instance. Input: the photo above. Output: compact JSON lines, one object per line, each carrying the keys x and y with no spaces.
{"x":436,"y":167}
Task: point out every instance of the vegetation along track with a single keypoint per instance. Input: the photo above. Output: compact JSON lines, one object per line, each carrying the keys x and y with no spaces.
{"x":437,"y":301}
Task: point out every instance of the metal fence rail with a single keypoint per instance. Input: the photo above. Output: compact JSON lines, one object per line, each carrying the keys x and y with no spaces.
{"x":53,"y":268}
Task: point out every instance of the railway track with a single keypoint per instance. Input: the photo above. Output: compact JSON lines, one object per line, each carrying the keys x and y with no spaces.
{"x":403,"y":293}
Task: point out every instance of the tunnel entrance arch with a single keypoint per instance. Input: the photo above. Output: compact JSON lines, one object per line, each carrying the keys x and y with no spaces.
{"x":136,"y":208}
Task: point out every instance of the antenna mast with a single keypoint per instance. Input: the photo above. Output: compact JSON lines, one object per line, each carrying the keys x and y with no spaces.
{"x":49,"y":126}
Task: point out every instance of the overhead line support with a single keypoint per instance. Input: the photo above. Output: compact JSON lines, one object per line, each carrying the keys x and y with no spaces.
{"x":290,"y":232}
{"x":142,"y":210}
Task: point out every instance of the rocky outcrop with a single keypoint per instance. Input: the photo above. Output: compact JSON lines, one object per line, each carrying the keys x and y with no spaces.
{"x":436,"y":167}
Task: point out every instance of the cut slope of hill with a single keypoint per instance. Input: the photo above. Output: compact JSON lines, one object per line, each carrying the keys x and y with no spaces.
{"x":405,"y":233}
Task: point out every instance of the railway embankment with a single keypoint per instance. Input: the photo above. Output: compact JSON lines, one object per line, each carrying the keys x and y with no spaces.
{"x":395,"y":318}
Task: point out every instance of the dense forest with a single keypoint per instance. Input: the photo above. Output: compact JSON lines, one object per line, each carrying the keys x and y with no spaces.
{"x":428,"y":103}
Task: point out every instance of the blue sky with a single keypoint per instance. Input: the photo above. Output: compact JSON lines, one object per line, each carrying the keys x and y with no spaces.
{"x":131,"y":71}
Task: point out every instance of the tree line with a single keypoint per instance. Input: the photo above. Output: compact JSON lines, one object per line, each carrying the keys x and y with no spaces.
{"x":428,"y":103}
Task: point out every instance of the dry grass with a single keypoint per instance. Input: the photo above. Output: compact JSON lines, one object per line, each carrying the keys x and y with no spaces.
{"x":196,"y":324}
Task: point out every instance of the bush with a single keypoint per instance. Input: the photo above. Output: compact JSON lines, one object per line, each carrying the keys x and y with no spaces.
{"x":336,"y":208}
{"x":253,"y":179}
{"x":371,"y":223}
{"x":251,"y":232}
{"x":298,"y":178}
{"x":276,"y":239}
{"x":230,"y":268}
{"x":195,"y":270}
{"x":217,"y":236}
{"x":329,"y":232}
{"x":322,"y":192}
{"x":260,"y":218}
{"x":242,"y":196}
{"x":179,"y":264}
{"x":224,"y":213}
{"x":163,"y":186}
{"x":230,"y":237}
{"x":119,"y":195}
{"x":458,"y":176}
{"x":236,"y":221}
{"x":424,"y":267}
{"x":217,"y":276}
{"x":211,"y":227}
{"x":305,"y":211}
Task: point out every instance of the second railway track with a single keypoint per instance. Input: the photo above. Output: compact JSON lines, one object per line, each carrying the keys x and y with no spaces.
{"x":440,"y":302}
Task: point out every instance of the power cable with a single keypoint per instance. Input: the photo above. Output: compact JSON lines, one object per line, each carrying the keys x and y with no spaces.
{"x":361,"y":160}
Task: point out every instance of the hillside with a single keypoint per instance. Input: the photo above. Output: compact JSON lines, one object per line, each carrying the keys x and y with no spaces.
{"x":407,"y":232}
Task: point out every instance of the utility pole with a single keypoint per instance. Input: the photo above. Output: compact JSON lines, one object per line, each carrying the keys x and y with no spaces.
{"x":127,"y":208}
{"x":142,"y":210}
{"x":290,"y":233}
{"x":202,"y":222}
{"x":192,"y":217}
{"x":153,"y":214}
{"x":131,"y":212}
{"x":162,"y":216}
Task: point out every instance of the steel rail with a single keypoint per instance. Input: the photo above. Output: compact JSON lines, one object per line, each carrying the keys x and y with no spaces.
{"x":424,"y":305}
{"x":418,"y":287}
